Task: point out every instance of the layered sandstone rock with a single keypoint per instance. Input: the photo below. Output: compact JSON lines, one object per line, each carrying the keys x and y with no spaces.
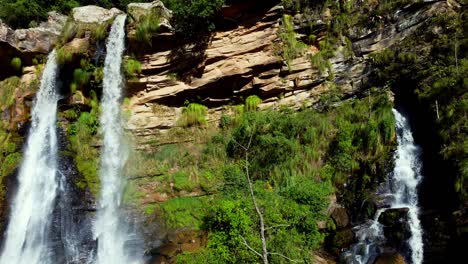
{"x":243,"y":61}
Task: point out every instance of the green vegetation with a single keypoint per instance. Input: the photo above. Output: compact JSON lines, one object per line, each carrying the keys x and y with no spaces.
{"x":146,"y":28}
{"x":26,"y":13}
{"x":296,"y":161}
{"x":132,"y":68}
{"x":82,"y":133}
{"x":7,"y":91}
{"x":64,"y":56}
{"x":193,"y":115}
{"x":194,"y":18}
{"x":10,"y":156}
{"x":291,"y":48}
{"x":252,"y":102}
{"x":436,"y":79}
{"x":16,"y":63}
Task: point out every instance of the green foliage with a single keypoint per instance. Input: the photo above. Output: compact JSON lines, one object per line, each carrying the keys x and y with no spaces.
{"x":100,"y":32}
{"x":252,"y":102}
{"x":10,"y":157}
{"x":63,"y":56}
{"x":81,"y":135}
{"x":194,"y":18}
{"x":132,"y":68}
{"x":7,"y":91}
{"x":176,"y":214}
{"x":193,"y":115}
{"x":146,"y":28}
{"x":16,"y":63}
{"x":291,"y":47}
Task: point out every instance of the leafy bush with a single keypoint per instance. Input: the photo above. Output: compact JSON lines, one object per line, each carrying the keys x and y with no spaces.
{"x":252,"y":102}
{"x":7,"y":91}
{"x":63,"y":56}
{"x":132,"y":68}
{"x":194,"y":18}
{"x":291,"y":47}
{"x":16,"y":63}
{"x":193,"y":115}
{"x":146,"y":28}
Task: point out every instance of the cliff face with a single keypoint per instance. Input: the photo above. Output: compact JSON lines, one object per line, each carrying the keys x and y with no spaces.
{"x":245,"y":60}
{"x":220,"y":71}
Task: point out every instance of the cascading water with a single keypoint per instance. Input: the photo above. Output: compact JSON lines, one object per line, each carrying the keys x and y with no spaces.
{"x":27,"y":234}
{"x":110,"y":231}
{"x":402,"y":192}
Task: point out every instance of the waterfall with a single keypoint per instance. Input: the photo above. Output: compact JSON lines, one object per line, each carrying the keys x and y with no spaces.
{"x":27,"y":233}
{"x":401,"y":190}
{"x":110,"y":231}
{"x":406,"y":178}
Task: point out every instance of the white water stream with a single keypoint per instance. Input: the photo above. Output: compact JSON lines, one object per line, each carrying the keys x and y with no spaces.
{"x":403,"y":193}
{"x":110,"y":230}
{"x":26,"y":239}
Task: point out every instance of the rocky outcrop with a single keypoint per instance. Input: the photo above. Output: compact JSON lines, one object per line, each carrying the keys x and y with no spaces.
{"x":26,"y":44}
{"x":34,"y":40}
{"x":94,"y":14}
{"x":138,"y":10}
{"x":406,"y":22}
{"x":390,"y":258}
{"x":236,"y":63}
{"x":396,"y":227}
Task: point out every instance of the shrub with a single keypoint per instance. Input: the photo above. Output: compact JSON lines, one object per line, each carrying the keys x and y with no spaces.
{"x":100,"y":32}
{"x":64,"y":56}
{"x":132,"y":68}
{"x":195,"y":17}
{"x":7,"y":91}
{"x":291,"y":47}
{"x":146,"y":28}
{"x":252,"y":102}
{"x":193,"y":115}
{"x":16,"y":63}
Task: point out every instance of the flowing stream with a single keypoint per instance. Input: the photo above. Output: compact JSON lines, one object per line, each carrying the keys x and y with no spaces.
{"x":26,"y":239}
{"x":402,"y":192}
{"x":110,"y":230}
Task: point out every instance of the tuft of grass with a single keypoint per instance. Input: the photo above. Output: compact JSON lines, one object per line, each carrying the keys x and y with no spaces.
{"x":193,"y":115}
{"x":291,"y":48}
{"x":252,"y":102}
{"x":16,"y":63}
{"x":146,"y":28}
{"x":132,"y":68}
{"x":64,"y":56}
{"x":7,"y":91}
{"x":100,"y":32}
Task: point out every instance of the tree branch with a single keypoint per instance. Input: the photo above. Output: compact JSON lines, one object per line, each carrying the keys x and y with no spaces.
{"x":275,"y":226}
{"x":249,"y":247}
{"x":281,"y":255}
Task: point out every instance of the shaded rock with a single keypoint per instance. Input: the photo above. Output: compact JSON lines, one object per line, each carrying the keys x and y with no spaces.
{"x":340,"y":217}
{"x":94,"y":14}
{"x":340,"y":240}
{"x":35,"y":40}
{"x":396,"y":227}
{"x":28,"y":43}
{"x":390,"y":258}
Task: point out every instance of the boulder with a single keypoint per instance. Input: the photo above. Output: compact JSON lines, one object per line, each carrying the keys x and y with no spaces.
{"x":94,"y":14}
{"x":340,"y":217}
{"x":28,"y":43}
{"x":340,"y":240}
{"x":157,"y":8}
{"x":396,"y":227}
{"x":390,"y":258}
{"x":39,"y":39}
